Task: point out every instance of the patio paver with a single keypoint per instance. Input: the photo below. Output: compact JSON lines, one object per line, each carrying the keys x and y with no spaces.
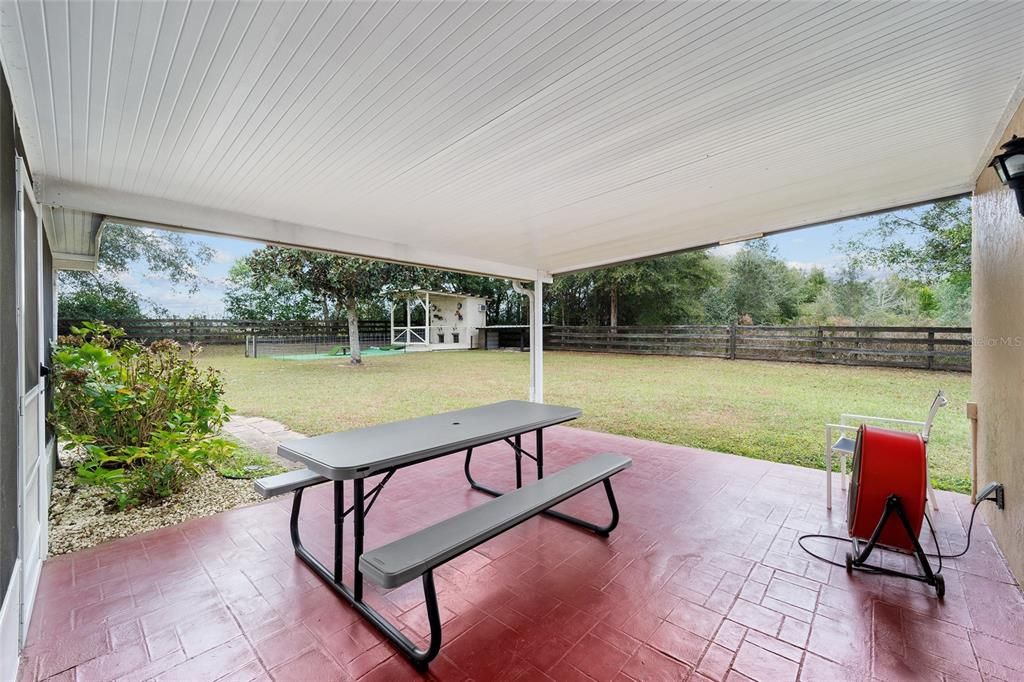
{"x":263,"y":435}
{"x":702,"y":580}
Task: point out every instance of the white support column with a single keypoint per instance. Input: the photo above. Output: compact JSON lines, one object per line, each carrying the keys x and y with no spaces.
{"x":537,"y":342}
{"x":536,"y":314}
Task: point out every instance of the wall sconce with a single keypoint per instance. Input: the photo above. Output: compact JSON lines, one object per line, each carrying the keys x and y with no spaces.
{"x":1010,"y":168}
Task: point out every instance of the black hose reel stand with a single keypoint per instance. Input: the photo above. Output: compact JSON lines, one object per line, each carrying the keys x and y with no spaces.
{"x":857,"y":559}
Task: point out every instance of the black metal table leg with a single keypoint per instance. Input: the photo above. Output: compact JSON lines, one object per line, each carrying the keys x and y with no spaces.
{"x":539,"y":454}
{"x":339,"y":530}
{"x":358,"y":526}
{"x":568,"y":518}
{"x":419,"y":657}
{"x":519,"y":460}
{"x":600,"y":530}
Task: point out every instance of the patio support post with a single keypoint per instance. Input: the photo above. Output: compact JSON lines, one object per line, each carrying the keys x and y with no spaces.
{"x":535,"y":300}
{"x":537,"y":342}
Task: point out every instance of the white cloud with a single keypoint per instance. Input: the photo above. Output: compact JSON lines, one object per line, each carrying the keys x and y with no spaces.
{"x":206,"y":301}
{"x":726,"y":250}
{"x":830,"y":265}
{"x":804,"y":266}
{"x":220,"y":256}
{"x":126,"y":278}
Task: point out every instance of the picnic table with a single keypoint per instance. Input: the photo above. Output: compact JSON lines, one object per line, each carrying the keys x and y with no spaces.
{"x":386,"y":449}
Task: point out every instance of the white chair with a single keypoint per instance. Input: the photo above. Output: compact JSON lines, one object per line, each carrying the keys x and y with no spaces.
{"x":844,"y":446}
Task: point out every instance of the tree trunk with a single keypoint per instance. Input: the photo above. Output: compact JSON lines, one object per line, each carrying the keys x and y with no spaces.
{"x":327,"y":314}
{"x":353,"y":331}
{"x":614,"y":312}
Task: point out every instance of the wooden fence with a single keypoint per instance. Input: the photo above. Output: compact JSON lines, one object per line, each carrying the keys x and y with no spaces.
{"x":209,"y":332}
{"x":935,"y":348}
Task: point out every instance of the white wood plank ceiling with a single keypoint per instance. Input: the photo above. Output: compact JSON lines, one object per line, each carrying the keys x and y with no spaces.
{"x":73,"y":237}
{"x":507,"y":137}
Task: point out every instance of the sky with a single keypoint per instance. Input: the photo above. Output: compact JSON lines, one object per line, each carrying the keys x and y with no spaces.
{"x":806,"y":248}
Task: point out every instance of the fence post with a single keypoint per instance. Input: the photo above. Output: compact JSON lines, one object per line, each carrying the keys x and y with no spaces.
{"x":732,"y":341}
{"x":818,"y":343}
{"x":931,"y":350}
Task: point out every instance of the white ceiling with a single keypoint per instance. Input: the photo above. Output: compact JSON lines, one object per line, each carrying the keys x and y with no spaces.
{"x":507,"y":138}
{"x":73,"y":237}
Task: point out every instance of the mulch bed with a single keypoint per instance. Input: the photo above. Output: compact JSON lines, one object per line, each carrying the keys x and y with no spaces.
{"x":80,"y":518}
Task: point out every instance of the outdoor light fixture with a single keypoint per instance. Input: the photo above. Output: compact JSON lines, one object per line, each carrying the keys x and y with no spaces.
{"x":1010,"y":168}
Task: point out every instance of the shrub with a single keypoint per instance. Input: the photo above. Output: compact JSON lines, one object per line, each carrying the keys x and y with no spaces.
{"x":146,"y":416}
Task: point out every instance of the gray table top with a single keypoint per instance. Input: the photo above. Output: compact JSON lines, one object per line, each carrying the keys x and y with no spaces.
{"x":364,"y":452}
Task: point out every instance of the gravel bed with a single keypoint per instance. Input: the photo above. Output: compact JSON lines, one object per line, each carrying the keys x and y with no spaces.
{"x":79,"y":517}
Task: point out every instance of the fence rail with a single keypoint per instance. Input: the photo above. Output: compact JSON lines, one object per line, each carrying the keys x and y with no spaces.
{"x":935,"y":348}
{"x":210,"y":332}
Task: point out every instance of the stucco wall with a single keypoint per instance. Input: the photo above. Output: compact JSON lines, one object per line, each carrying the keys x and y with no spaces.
{"x":998,"y":353}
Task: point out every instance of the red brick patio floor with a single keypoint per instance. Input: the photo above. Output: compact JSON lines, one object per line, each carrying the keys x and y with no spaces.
{"x":702,"y":580}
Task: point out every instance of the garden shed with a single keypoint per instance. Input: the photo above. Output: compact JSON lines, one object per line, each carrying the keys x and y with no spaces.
{"x":437,"y":320}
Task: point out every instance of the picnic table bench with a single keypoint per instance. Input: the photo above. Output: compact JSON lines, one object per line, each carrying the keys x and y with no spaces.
{"x":384,"y":449}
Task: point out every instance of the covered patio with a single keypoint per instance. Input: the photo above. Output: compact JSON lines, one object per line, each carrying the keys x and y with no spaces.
{"x":519,"y":141}
{"x":703,"y":580}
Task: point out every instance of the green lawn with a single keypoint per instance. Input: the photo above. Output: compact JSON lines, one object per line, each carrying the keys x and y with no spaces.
{"x":773,"y":411}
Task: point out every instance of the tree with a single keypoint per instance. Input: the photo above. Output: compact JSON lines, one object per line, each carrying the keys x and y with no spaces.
{"x":574,"y":300}
{"x":930,"y":245}
{"x":122,"y":247}
{"x":342,"y":280}
{"x":665,"y":290}
{"x":115,"y":302}
{"x":761,"y":287}
{"x":851,"y":290}
{"x":673,"y":289}
{"x":954,"y":304}
{"x":813,"y":286}
{"x":927,"y":301}
{"x":273,"y":298}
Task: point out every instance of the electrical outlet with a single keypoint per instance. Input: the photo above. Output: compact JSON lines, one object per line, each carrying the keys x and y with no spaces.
{"x":995,"y":492}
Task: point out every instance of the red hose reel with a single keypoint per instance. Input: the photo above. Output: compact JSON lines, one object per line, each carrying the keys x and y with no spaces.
{"x":886,"y":508}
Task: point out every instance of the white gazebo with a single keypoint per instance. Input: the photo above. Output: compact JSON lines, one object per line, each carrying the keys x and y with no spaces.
{"x":437,"y":320}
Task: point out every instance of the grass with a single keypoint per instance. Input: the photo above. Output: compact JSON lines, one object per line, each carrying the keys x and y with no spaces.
{"x":248,"y":463}
{"x":773,"y":411}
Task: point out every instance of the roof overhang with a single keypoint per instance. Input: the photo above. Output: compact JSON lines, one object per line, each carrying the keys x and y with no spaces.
{"x":400,"y":293}
{"x":507,"y":139}
{"x":73,"y":236}
{"x":145,"y":211}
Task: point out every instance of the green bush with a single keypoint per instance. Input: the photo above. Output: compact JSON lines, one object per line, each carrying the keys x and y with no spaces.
{"x":146,"y":416}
